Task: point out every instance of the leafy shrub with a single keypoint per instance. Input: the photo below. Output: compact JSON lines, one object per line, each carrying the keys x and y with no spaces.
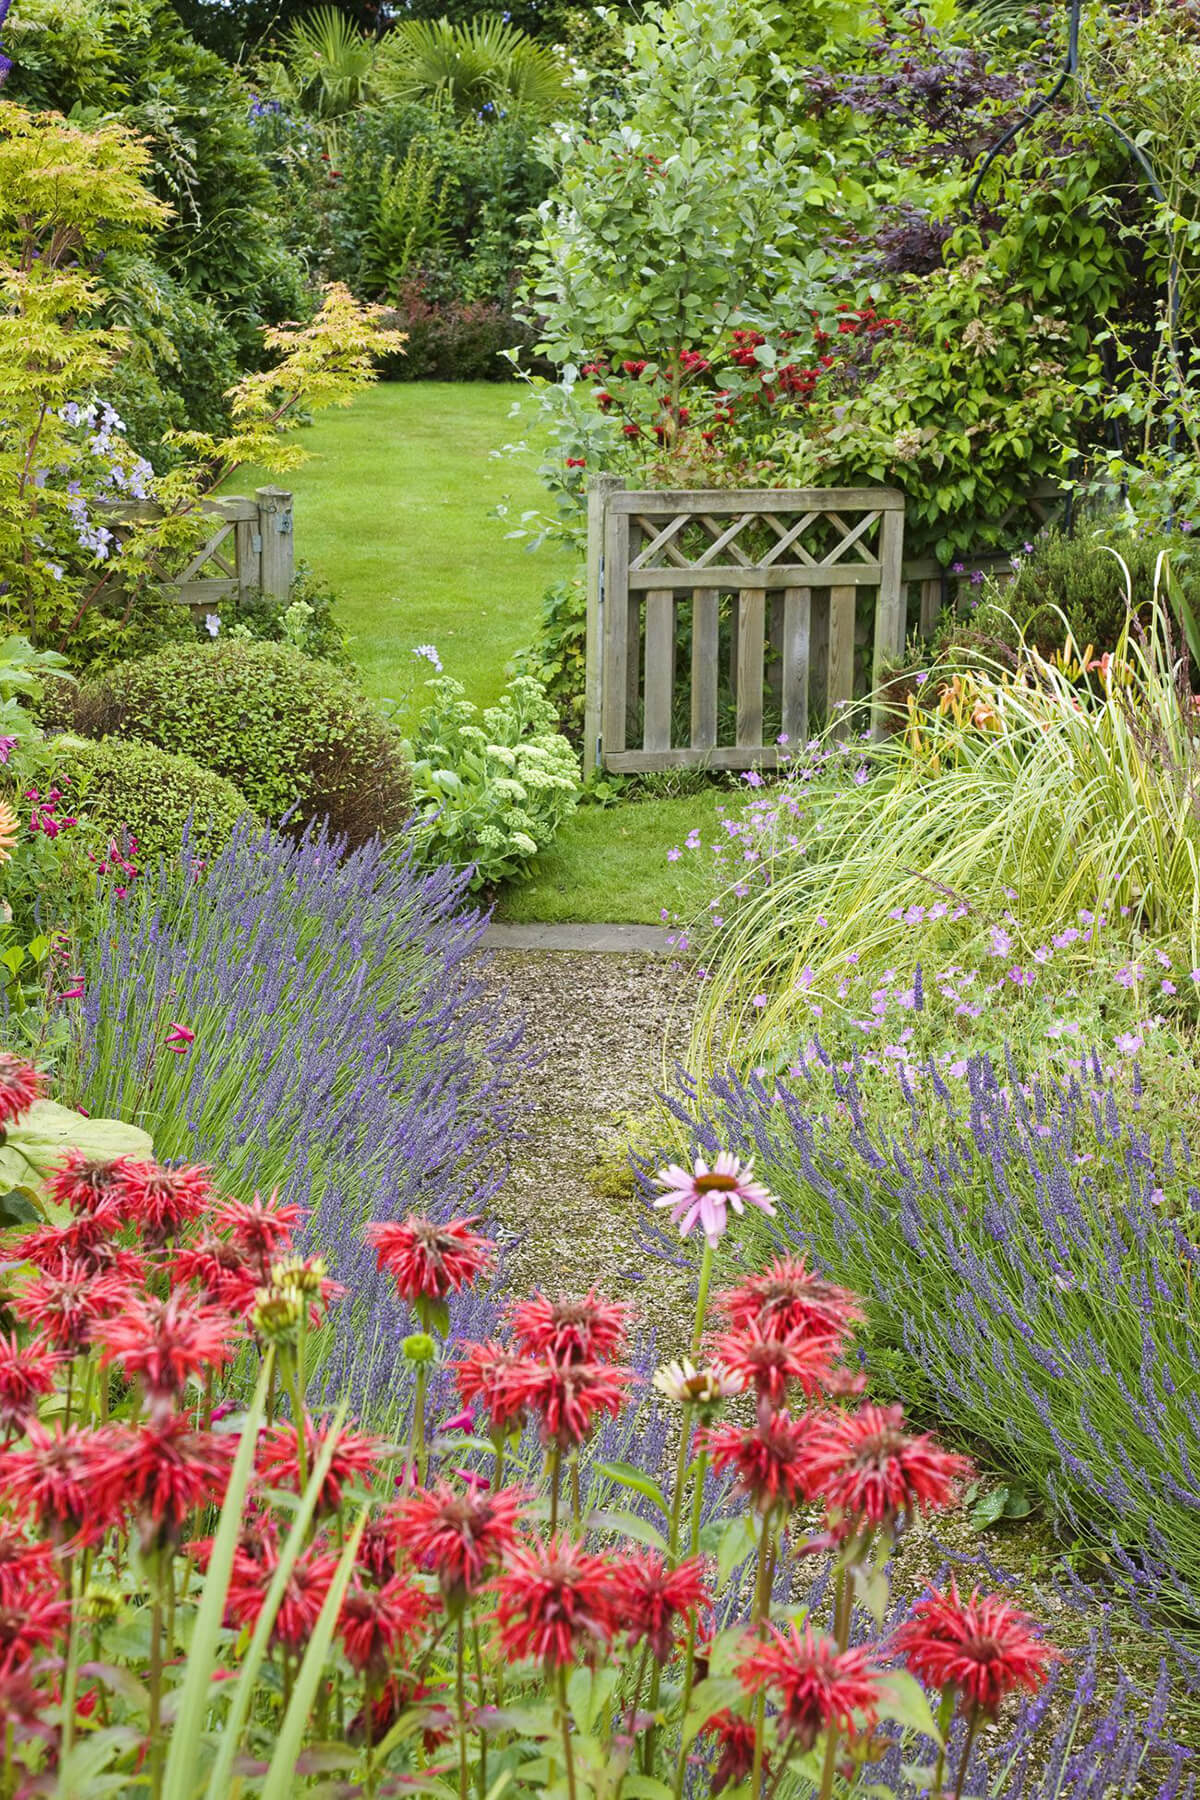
{"x":557,"y":657}
{"x":408,"y":228}
{"x":483,"y":66}
{"x":305,"y":620}
{"x":490,"y":796}
{"x":147,"y":792}
{"x":294,"y":734}
{"x":453,"y":340}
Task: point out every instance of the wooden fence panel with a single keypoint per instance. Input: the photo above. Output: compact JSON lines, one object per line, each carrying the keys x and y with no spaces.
{"x":784,"y":566}
{"x":249,"y":548}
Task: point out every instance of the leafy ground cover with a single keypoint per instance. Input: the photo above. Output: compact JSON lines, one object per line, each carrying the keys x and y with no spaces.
{"x":394,"y":509}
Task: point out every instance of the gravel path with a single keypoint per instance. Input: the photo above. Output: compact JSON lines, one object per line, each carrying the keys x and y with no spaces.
{"x":600,"y":1021}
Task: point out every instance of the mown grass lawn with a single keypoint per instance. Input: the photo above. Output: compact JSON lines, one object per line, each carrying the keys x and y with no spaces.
{"x":395,"y":510}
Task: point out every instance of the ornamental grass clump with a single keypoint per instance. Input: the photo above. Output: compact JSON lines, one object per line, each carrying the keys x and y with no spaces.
{"x":1027,"y":1254}
{"x":205,"y":1585}
{"x":341,"y":1049}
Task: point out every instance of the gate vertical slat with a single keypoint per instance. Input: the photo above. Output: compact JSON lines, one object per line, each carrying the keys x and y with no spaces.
{"x":752,"y":611}
{"x":818,"y":651}
{"x":660,"y":669}
{"x":599,"y":488}
{"x":616,"y":628}
{"x":840,"y":680}
{"x":931,"y":605}
{"x":891,"y":620}
{"x":797,"y":639}
{"x":706,"y":633}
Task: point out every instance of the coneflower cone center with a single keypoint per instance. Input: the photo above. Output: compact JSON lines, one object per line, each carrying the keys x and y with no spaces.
{"x":716,"y":1184}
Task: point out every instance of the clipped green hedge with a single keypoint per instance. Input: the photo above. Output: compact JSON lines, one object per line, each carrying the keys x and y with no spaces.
{"x":148,"y":792}
{"x":292,"y":733}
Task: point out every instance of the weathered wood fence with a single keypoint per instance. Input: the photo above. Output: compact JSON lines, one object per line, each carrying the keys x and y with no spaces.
{"x":762,"y":583}
{"x":250,"y":547}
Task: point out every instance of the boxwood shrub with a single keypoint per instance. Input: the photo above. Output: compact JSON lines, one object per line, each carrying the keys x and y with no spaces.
{"x":295,"y":735}
{"x":148,"y":792}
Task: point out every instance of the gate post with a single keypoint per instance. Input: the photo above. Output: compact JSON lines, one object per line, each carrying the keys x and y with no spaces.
{"x":278,"y":545}
{"x":599,"y":489}
{"x":891,"y":624}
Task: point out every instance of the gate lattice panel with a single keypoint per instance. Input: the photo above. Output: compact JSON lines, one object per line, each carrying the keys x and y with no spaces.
{"x":707,"y":609}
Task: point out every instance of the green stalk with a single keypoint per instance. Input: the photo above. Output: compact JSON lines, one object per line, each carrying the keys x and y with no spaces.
{"x":70,"y":1677}
{"x":576,"y":1505}
{"x":460,"y":1691}
{"x":565,"y":1725}
{"x":843,"y":1611}
{"x":555,"y":1472}
{"x":972,"y":1728}
{"x":945,"y":1714}
{"x":706,"y":1264}
{"x":416,"y":1453}
{"x":157,"y":1746}
{"x":482,"y":1701}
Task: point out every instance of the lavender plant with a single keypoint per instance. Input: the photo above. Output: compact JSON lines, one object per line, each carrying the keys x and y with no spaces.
{"x":337,"y":1044}
{"x":1029,"y":1256}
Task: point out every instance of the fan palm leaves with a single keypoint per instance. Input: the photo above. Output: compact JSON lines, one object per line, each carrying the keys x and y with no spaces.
{"x":484,"y":65}
{"x":329,"y":62}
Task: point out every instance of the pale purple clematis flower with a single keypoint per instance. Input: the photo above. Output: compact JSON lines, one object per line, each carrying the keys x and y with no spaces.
{"x":703,"y":1195}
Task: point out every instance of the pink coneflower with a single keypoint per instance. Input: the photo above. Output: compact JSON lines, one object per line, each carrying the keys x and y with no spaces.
{"x":587,"y":1328}
{"x":865,"y":1466}
{"x":259,"y":1228}
{"x":58,"y":1479}
{"x":774,"y":1364}
{"x":735,"y":1741}
{"x":166,"y":1343}
{"x":772,"y":1458}
{"x":492,"y":1376}
{"x":355,"y":1459}
{"x":981,"y":1647}
{"x":703,"y":1195}
{"x":26,"y":1375}
{"x":459,"y":1536}
{"x":303,"y":1597}
{"x":554,"y":1603}
{"x":568,"y":1398}
{"x":158,"y":1200}
{"x":653,"y":1600}
{"x":375,"y":1623}
{"x":817,"y":1685}
{"x":20,"y":1086}
{"x":787,"y":1297}
{"x":428,"y":1261}
{"x":67,"y":1305}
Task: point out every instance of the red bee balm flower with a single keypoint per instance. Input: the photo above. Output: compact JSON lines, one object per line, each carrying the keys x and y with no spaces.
{"x":816,"y":1684}
{"x":653,"y":1600}
{"x":866,"y":1466}
{"x":773,"y":1458}
{"x":788,"y":1297}
{"x":773,"y":1364}
{"x":87,"y":1184}
{"x":570,"y":1397}
{"x":983,"y":1647}
{"x":303,"y":1597}
{"x":375,"y":1622}
{"x":430,"y":1261}
{"x":158,"y":1200}
{"x":587,"y":1329}
{"x":735,"y":1738}
{"x":68,"y":1304}
{"x":494,"y":1376}
{"x":163,"y":1471}
{"x":20,"y":1086}
{"x":59,"y":1479}
{"x":354,"y":1458}
{"x":220,"y":1269}
{"x":259,"y":1228}
{"x":554,"y":1602}
{"x":30,"y":1622}
{"x":459,"y":1536}
{"x":25,"y":1375}
{"x":166,"y":1342}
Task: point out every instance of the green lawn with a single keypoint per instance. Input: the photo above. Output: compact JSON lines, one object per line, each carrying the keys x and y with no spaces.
{"x":394,"y":511}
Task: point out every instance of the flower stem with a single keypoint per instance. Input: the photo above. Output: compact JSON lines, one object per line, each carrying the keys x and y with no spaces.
{"x":972,"y":1728}
{"x":555,"y":1472}
{"x":482,"y":1698}
{"x":156,"y":1682}
{"x":416,"y":1455}
{"x":460,"y":1691}
{"x":681,"y":1463}
{"x":69,"y":1675}
{"x":706,"y":1263}
{"x":565,"y":1725}
{"x":762,"y":1610}
{"x":842,"y":1613}
{"x":576,"y":1505}
{"x":945,"y":1714}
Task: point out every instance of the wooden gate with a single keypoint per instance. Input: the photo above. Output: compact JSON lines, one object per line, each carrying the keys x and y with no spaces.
{"x":759,"y":589}
{"x":248,"y":546}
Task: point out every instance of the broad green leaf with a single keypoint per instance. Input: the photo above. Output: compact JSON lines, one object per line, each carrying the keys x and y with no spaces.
{"x":630,"y":1525}
{"x":36,"y":1142}
{"x":627,"y":1476}
{"x":902,"y":1699}
{"x":710,"y":1696}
